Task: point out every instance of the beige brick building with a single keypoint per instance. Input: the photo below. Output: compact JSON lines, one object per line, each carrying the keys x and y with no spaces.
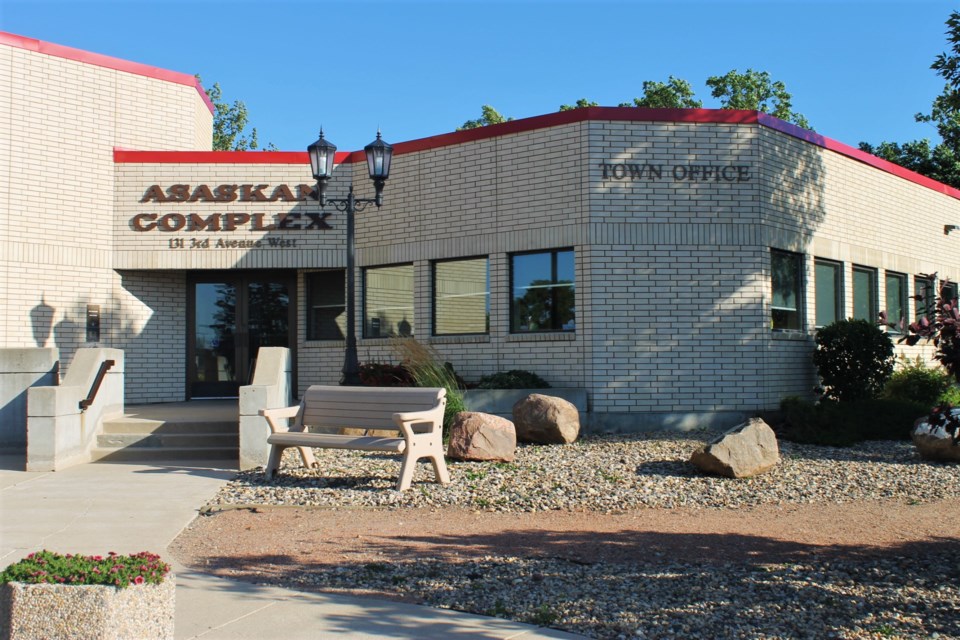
{"x":674,"y":263}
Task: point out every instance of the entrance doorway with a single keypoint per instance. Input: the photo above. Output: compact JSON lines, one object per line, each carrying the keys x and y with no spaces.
{"x":232,"y":315}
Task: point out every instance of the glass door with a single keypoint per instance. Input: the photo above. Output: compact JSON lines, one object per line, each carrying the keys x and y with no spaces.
{"x":231,"y":317}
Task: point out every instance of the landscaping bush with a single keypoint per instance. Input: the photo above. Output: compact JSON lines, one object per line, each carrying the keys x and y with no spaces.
{"x":841,"y":424}
{"x":514,"y":379}
{"x":951,"y":396}
{"x":377,"y":374}
{"x":915,"y":382}
{"x":854,"y":359}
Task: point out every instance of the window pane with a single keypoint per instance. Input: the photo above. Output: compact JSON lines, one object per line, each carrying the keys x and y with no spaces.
{"x":543,"y":292}
{"x":326,"y":315}
{"x":924,"y":301}
{"x":827,"y":284}
{"x":864,"y":294}
{"x":461,"y":290}
{"x":896,"y":285}
{"x":388,"y":301}
{"x":950,"y":291}
{"x":785,"y":281}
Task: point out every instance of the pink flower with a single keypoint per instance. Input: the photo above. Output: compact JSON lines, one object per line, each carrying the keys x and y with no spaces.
{"x":138,"y":580}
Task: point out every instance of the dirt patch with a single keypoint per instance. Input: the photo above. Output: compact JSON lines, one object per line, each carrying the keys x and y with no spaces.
{"x":272,"y":540}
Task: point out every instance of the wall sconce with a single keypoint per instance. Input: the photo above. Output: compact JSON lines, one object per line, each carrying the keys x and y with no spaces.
{"x":947,"y":228}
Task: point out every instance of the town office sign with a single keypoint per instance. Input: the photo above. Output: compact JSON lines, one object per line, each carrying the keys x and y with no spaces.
{"x":677,"y":172}
{"x":228,"y":222}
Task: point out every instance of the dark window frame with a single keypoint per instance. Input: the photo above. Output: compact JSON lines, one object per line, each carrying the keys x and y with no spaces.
{"x":364,"y":274}
{"x":893,"y":324}
{"x":798,"y":291}
{"x":837,"y":290}
{"x":555,"y":326}
{"x":924,"y":297}
{"x":309,"y":278}
{"x":874,"y":309}
{"x":433,"y":296}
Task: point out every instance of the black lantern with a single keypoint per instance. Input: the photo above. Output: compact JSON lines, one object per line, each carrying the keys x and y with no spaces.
{"x":379,"y":155}
{"x":322,"y":154}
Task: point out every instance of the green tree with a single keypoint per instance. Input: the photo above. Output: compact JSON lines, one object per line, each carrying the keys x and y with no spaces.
{"x":673,"y":94}
{"x":490,"y":116}
{"x":230,"y":123}
{"x":755,"y":91}
{"x":581,"y":103}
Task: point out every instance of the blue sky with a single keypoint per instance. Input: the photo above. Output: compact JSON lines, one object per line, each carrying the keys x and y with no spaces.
{"x":858,"y":70}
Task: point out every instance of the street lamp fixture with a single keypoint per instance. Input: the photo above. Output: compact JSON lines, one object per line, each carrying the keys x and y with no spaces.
{"x":379,"y":155}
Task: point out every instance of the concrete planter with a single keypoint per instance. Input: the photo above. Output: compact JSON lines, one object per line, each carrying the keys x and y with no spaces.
{"x":76,"y":612}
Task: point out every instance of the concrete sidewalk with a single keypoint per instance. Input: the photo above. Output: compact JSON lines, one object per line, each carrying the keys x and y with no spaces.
{"x":126,"y":508}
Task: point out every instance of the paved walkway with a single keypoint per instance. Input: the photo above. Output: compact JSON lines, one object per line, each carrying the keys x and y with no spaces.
{"x":96,"y":508}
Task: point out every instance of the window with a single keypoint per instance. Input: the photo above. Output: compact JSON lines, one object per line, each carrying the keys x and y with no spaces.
{"x":542,"y":293}
{"x":950,"y":291}
{"x":864,"y":294}
{"x":896,"y":297}
{"x":326,"y":319}
{"x":828,"y":281}
{"x":388,"y":301}
{"x":461,"y":297}
{"x":785,"y":278}
{"x":924,"y":298}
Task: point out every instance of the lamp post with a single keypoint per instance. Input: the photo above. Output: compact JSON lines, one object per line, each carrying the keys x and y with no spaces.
{"x":379,"y":154}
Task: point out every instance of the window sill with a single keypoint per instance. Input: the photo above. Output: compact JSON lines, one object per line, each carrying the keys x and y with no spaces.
{"x":325,"y":344}
{"x":462,"y":339}
{"x":789,"y":335}
{"x":550,"y":336}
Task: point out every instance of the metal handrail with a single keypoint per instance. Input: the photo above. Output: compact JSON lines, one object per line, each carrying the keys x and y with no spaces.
{"x":104,"y":367}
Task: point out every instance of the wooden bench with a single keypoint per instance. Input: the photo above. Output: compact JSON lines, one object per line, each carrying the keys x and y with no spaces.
{"x":417,"y":413}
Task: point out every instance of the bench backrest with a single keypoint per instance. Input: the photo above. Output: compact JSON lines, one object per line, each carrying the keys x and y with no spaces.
{"x":364,"y":407}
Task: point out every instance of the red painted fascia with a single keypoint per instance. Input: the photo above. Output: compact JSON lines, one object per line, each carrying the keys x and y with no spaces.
{"x":121,"y":156}
{"x":108,"y":62}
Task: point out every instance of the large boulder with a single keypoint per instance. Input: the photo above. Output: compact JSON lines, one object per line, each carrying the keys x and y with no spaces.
{"x":481,"y":436}
{"x":546,"y":420}
{"x":746,"y":450}
{"x":933,"y":442}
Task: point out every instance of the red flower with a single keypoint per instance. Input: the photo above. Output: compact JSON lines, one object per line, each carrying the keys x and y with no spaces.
{"x":138,"y":580}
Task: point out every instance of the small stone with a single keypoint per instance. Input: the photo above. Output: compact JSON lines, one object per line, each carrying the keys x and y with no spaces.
{"x":482,"y":436}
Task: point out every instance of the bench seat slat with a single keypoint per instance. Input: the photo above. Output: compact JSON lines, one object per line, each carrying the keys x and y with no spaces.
{"x":333,"y":441}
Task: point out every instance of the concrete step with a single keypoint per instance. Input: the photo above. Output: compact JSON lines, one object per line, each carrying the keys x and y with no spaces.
{"x":165,"y":454}
{"x":140,"y":425}
{"x":175,"y":440}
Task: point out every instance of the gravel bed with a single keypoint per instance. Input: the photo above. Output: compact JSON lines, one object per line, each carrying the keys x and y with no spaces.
{"x":911,"y":592}
{"x":605,"y":474}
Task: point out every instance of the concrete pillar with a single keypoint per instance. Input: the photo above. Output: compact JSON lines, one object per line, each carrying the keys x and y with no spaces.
{"x":21,"y":369}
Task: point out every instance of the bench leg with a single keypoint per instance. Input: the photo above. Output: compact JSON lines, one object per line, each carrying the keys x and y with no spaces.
{"x":273,"y":464}
{"x":307,"y":456}
{"x":407,"y":467}
{"x":440,"y":468}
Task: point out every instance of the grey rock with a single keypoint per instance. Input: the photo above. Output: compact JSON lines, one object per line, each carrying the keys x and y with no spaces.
{"x":934,"y":443}
{"x":482,"y":436}
{"x":546,"y":420}
{"x":746,"y":450}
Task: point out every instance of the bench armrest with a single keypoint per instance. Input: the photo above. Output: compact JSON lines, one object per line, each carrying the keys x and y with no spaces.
{"x":273,"y":415}
{"x":434,"y":417}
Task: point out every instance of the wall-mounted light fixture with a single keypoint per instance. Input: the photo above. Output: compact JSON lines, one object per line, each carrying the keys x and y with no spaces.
{"x":947,"y":228}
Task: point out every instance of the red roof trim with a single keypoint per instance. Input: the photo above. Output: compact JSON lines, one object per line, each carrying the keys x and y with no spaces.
{"x":856,"y":154}
{"x":121,"y":156}
{"x":108,"y":62}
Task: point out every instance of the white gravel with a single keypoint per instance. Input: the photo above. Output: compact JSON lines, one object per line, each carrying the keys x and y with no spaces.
{"x":910,"y":593}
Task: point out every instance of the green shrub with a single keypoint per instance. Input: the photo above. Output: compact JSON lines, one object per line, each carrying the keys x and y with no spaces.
{"x":951,"y":396}
{"x":854,"y":359}
{"x":113,"y":570}
{"x":514,"y":379}
{"x":915,"y":382}
{"x":841,"y":424}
